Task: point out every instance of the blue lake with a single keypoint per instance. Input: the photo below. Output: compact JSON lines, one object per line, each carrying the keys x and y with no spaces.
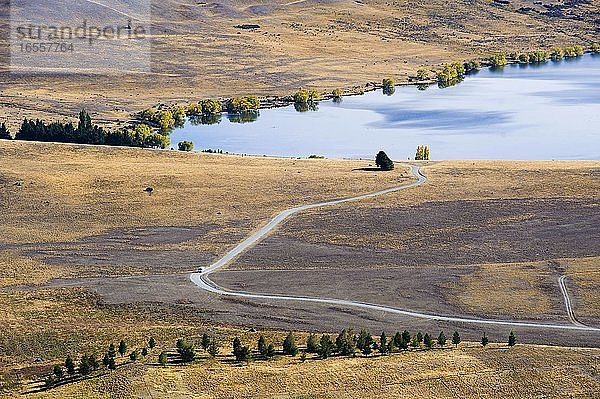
{"x":548,"y":111}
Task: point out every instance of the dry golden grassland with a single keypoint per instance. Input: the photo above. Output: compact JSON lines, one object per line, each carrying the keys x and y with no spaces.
{"x":198,"y":52}
{"x":491,"y":236}
{"x":70,"y":193}
{"x":524,"y":371}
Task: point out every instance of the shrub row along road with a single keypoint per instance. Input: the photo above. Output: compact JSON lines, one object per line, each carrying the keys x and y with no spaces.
{"x":201,"y":278}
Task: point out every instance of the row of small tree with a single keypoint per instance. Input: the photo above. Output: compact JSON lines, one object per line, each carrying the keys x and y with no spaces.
{"x":348,"y":343}
{"x":89,"y":363}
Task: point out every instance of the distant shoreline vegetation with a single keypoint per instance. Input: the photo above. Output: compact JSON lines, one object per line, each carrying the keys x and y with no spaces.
{"x":87,"y":133}
{"x":153,"y":126}
{"x":454,"y":73}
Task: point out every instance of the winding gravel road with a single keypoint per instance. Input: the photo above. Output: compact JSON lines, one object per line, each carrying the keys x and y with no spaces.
{"x":570,"y":312}
{"x":202,"y":280}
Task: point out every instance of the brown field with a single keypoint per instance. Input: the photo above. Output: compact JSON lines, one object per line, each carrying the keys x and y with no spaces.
{"x":197,"y":52}
{"x":87,"y":258}
{"x":524,"y":371}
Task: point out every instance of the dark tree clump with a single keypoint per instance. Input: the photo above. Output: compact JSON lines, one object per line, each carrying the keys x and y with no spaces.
{"x":122,"y":348}
{"x":186,"y":350}
{"x":512,"y":339}
{"x":162,"y":358}
{"x":4,"y":133}
{"x":456,"y":339}
{"x":70,"y":365}
{"x":205,"y":342}
{"x":326,"y":346}
{"x":312,"y":345}
{"x":484,"y":340}
{"x":289,"y":345}
{"x":383,"y":161}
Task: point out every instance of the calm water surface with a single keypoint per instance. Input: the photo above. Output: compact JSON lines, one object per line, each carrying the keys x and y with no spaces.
{"x":550,"y":111}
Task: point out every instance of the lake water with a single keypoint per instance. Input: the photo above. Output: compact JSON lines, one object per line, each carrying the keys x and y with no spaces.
{"x":548,"y":111}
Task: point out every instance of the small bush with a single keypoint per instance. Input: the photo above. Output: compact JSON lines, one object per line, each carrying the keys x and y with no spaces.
{"x":185,"y":146}
{"x":243,"y":104}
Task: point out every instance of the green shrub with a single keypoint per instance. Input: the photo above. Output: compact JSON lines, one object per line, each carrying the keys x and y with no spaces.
{"x":389,"y":86}
{"x":243,"y":104}
{"x":423,"y":74}
{"x":538,"y":56}
{"x":472,"y":65}
{"x":557,"y":53}
{"x":337,"y":93}
{"x":185,"y":146}
{"x":211,"y":107}
{"x":451,"y":74}
{"x":306,"y":96}
{"x":497,"y":60}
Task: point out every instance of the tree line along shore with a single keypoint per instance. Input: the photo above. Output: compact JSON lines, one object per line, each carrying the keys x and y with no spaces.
{"x":151,"y":127}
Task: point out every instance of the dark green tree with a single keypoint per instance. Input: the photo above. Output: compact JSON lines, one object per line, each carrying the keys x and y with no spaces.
{"x":420,"y":337}
{"x":58,"y":371}
{"x":70,"y":365}
{"x":237,"y":344}
{"x":262,"y":345}
{"x":186,"y":350}
{"x":93,"y":361}
{"x":428,"y":341}
{"x":512,"y":339}
{"x":205,"y":341}
{"x":49,"y":382}
{"x":144,"y":351}
{"x":85,"y":368}
{"x":213,"y":348}
{"x":441,"y":341}
{"x":4,"y":133}
{"x":243,"y":354}
{"x":122,"y":348}
{"x":484,"y":340}
{"x":112,"y":352}
{"x":106,"y":359}
{"x":185,"y":146}
{"x":270,"y":351}
{"x":112,"y":365}
{"x":365,"y":342}
{"x":346,"y":343}
{"x":326,"y":346}
{"x":456,"y":339}
{"x":383,"y":344}
{"x":134,"y":356}
{"x":152,"y":343}
{"x":289,"y":345}
{"x":397,"y":340}
{"x":383,"y":161}
{"x":162,"y":358}
{"x":312,"y":345}
{"x":406,"y":336}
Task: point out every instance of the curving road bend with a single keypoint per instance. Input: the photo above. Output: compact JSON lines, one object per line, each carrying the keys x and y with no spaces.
{"x":570,"y":312}
{"x":202,"y":280}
